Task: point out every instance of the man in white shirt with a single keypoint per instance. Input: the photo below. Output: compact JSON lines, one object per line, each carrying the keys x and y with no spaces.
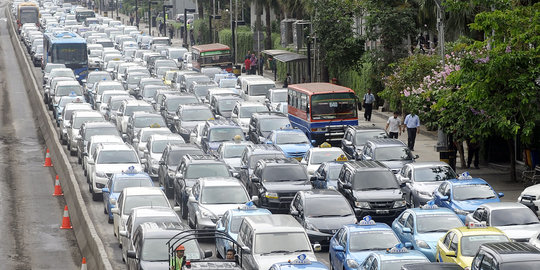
{"x":369,"y":98}
{"x":394,"y":123}
{"x":412,"y":122}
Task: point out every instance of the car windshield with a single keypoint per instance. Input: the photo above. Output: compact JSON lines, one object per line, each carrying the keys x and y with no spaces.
{"x":470,"y":244}
{"x":146,"y":135}
{"x":270,"y":124}
{"x":175,"y":54}
{"x":253,"y":159}
{"x":66,"y":99}
{"x":197,"y":115}
{"x":224,"y":134}
{"x":394,"y":153}
{"x":169,"y":76}
{"x":333,"y":172}
{"x":117,"y":157}
{"x":100,"y":131}
{"x":224,"y":195}
{"x":279,"y":96}
{"x":281,"y":242}
{"x":397,"y":264}
{"x":106,"y":87}
{"x":134,"y":79}
{"x":144,"y":200}
{"x":318,"y":157}
{"x":61,"y":73}
{"x":156,"y":249}
{"x":150,"y":91}
{"x":369,"y":180}
{"x":513,"y":216}
{"x":363,"y":136}
{"x":372,"y":240}
{"x":327,"y":207}
{"x":284,"y":173}
{"x":150,"y":120}
{"x":260,"y":90}
{"x":122,"y":183}
{"x":66,"y":90}
{"x":438,"y":173}
{"x":207,"y":170}
{"x":93,"y":78}
{"x":173,"y":103}
{"x":159,"y":146}
{"x":201,"y":90}
{"x":291,"y":138}
{"x":234,"y":150}
{"x":78,"y":121}
{"x":473,"y":192}
{"x":521,"y":265}
{"x":226,"y":105}
{"x":437,"y":223}
{"x":131,"y":109}
{"x":175,"y":156}
{"x":247,"y":111}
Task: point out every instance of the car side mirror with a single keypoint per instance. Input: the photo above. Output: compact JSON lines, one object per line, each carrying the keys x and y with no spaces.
{"x":143,"y":160}
{"x":131,"y":254}
{"x":161,"y":162}
{"x":90,"y":161}
{"x":408,"y":245}
{"x":112,"y":201}
{"x":347,"y":186}
{"x":115,"y":211}
{"x":208,"y":254}
{"x":407,"y":230}
{"x":135,"y":140}
{"x":416,"y":156}
{"x":313,"y":178}
{"x":405,"y":180}
{"x":347,"y":143}
{"x":105,"y":190}
{"x":255,"y":179}
{"x":176,"y":118}
{"x":317,"y":247}
{"x":444,"y":198}
{"x":246,"y":249}
{"x":451,"y":253}
{"x":294,"y":213}
{"x":500,"y":194}
{"x":338,"y":248}
{"x":244,"y":167}
{"x":254,"y":198}
{"x":119,"y":114}
{"x":146,"y":151}
{"x":367,"y":158}
{"x":179,"y":176}
{"x":123,"y":233}
{"x":192,"y":199}
{"x":176,"y":208}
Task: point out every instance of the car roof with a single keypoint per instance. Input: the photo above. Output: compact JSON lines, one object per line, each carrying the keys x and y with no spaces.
{"x":366,"y":228}
{"x":430,"y":211}
{"x":86,"y":113}
{"x":269,"y":114}
{"x":386,"y":142}
{"x":100,"y":124}
{"x":503,"y":205}
{"x":288,"y":130}
{"x":162,"y":229}
{"x":141,"y":191}
{"x":364,"y":165}
{"x":249,"y":211}
{"x":428,"y":164}
{"x":219,"y":181}
{"x":68,"y":82}
{"x":274,"y":223}
{"x":148,"y":211}
{"x":136,"y":102}
{"x":513,"y":251}
{"x":465,"y":231}
{"x":165,"y":137}
{"x":432,"y":266}
{"x":372,"y":127}
{"x":473,"y":181}
{"x":320,"y":193}
{"x":250,"y":103}
{"x":141,"y":113}
{"x":410,"y":255}
{"x":115,"y":146}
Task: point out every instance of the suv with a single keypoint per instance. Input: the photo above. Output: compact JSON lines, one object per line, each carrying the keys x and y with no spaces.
{"x":218,"y":131}
{"x":391,"y":152}
{"x":371,"y":189}
{"x":251,"y":155}
{"x":190,"y":170}
{"x":188,"y":116}
{"x":154,"y":151}
{"x":139,"y":120}
{"x":505,"y":256}
{"x":170,"y":103}
{"x":224,"y":104}
{"x":261,"y":124}
{"x":276,"y":181}
{"x":170,"y":159}
{"x":90,"y":129}
{"x":242,"y":112}
{"x":356,"y":137}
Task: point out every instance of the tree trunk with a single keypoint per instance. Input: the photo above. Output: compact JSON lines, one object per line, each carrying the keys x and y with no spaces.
{"x":268,"y":43}
{"x":461,"y":151}
{"x":200,"y":8}
{"x":512,"y":160}
{"x":258,"y":14}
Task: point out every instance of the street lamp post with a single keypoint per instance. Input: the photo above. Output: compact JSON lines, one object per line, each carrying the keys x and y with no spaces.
{"x":184,"y":41}
{"x":137,"y":13}
{"x":150,"y":16}
{"x":164,"y":18}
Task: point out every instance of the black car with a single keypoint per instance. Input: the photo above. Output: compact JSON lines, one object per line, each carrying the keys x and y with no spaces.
{"x":322,"y":212}
{"x":192,"y":168}
{"x":262,"y":123}
{"x":171,"y":158}
{"x":252,"y":154}
{"x":372,"y":189}
{"x":356,"y":136}
{"x":431,"y":266}
{"x":506,"y":256}
{"x":276,"y":181}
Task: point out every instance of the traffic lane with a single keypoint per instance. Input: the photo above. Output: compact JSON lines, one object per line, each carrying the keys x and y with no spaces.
{"x":31,"y":216}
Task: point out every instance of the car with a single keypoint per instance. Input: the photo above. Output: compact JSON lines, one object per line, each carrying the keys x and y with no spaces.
{"x":262,"y":124}
{"x":192,"y":168}
{"x":392,"y":258}
{"x":326,"y":176}
{"x":132,"y":197}
{"x":463,"y":196}
{"x":126,"y":109}
{"x":353,"y":243}
{"x":93,"y":78}
{"x":506,"y":256}
{"x":170,"y":159}
{"x":516,"y":220}
{"x":301,"y":262}
{"x":431,"y":266}
{"x":322,"y":212}
{"x":460,"y":245}
{"x":170,"y":102}
{"x":215,"y":132}
{"x":64,"y":88}
{"x":371,"y":189}
{"x":140,"y":142}
{"x":90,"y":129}
{"x":424,"y":226}
{"x":223,"y":105}
{"x":316,"y":156}
{"x":154,"y":150}
{"x":391,"y":152}
{"x":274,"y":97}
{"x":59,"y":107}
{"x":251,"y":155}
{"x":148,"y":92}
{"x":231,"y":153}
{"x":128,"y":178}
{"x":215,"y":92}
{"x":355,"y":138}
{"x":102,"y":86}
{"x":107,"y":160}
{"x":292,"y":142}
{"x":530,"y":197}
{"x":143,"y":82}
{"x":77,"y":120}
{"x":242,"y":112}
{"x":200,"y":88}
{"x":210,"y":197}
{"x":275,"y":181}
{"x":110,"y":108}
{"x":132,"y":80}
{"x":91,"y":147}
{"x":230,"y":222}
{"x":420,"y":179}
{"x":140,"y":215}
{"x":142,"y":119}
{"x":188,"y":116}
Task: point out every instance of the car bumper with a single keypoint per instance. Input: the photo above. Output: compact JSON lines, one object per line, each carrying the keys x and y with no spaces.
{"x":99,"y":183}
{"x":378,"y":213}
{"x":319,"y":238}
{"x":205,"y":223}
{"x":533,"y":205}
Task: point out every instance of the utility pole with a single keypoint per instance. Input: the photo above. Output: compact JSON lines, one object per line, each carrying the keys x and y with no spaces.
{"x":137,"y":13}
{"x":440,"y":28}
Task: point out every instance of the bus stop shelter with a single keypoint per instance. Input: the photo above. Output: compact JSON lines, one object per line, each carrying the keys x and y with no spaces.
{"x":289,"y":62}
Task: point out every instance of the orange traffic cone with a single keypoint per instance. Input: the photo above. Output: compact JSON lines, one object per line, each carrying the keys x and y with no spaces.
{"x":48,"y":161}
{"x":66,"y":223}
{"x":83,"y":265}
{"x":57,"y":187}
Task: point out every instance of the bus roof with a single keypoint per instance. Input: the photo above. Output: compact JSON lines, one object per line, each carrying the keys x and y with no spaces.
{"x":211,"y":47}
{"x":64,"y":37}
{"x":320,"y":88}
{"x":28,"y":4}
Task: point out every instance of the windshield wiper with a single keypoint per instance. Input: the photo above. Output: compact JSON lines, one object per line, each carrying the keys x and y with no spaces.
{"x":437,"y":230}
{"x":302,"y":250}
{"x":277,"y":251}
{"x":378,"y":188}
{"x":478,"y":198}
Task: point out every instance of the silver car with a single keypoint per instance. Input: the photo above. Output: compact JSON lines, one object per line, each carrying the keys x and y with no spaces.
{"x":516,"y":220}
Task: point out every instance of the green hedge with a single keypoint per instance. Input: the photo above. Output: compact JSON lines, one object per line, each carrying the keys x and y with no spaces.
{"x":244,"y":42}
{"x":201,"y":32}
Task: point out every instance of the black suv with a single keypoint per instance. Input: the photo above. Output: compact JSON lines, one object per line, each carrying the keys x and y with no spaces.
{"x":262,"y":123}
{"x":355,"y":138}
{"x":172,"y":155}
{"x":276,"y":182}
{"x":251,"y":155}
{"x":192,"y":168}
{"x":371,"y":189}
{"x":506,"y":256}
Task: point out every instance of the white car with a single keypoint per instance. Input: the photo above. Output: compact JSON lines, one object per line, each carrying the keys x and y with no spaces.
{"x":530,"y":197}
{"x":77,"y":120}
{"x":154,"y":150}
{"x":241,"y":114}
{"x":317,"y":156}
{"x":93,"y":143}
{"x":126,"y":110}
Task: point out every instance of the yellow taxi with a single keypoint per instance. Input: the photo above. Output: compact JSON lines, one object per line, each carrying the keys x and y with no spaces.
{"x":459,"y":245}
{"x":168,"y":77}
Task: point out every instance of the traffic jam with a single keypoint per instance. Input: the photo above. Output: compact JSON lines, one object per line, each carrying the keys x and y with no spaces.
{"x":179,"y":151}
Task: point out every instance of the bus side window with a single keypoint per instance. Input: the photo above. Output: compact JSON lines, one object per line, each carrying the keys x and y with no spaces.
{"x":303,"y":102}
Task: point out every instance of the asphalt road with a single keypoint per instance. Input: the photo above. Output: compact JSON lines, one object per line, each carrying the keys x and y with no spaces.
{"x":30,"y":216}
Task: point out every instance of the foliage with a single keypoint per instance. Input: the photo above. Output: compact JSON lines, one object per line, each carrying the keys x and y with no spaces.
{"x":244,"y":41}
{"x":200,"y":31}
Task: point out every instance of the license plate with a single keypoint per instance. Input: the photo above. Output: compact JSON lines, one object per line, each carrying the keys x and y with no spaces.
{"x":298,"y":158}
{"x":382,"y":211}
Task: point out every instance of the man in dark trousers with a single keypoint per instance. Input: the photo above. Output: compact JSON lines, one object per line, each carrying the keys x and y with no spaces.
{"x":369,"y":98}
{"x":171,"y":32}
{"x":473,"y":151}
{"x":273,"y":66}
{"x":412,"y":122}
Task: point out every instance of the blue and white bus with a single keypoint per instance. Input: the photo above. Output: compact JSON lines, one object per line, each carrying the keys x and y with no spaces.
{"x":66,"y":48}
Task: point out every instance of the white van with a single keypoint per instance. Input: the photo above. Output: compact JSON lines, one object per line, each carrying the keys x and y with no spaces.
{"x":263,"y":237}
{"x":256,"y":89}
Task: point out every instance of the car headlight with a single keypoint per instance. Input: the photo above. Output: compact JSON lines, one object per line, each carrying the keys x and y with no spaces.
{"x":364,"y":205}
{"x":422,"y":244}
{"x":400,"y":203}
{"x":310,"y":226}
{"x":99,"y":185}
{"x":207,"y":213}
{"x":154,"y":162}
{"x":101,"y":174}
{"x":352,"y":263}
{"x":271,"y":195}
{"x":460,"y":212}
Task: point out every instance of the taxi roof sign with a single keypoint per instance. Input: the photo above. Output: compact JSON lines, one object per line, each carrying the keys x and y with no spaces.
{"x":155,"y":125}
{"x":301,"y":259}
{"x":367,"y":220}
{"x":399,"y":248}
{"x":325,"y":145}
{"x":72,"y":94}
{"x":130,"y":170}
{"x":342,"y":158}
{"x":464,"y":176}
{"x":248,"y":206}
{"x":429,"y":205}
{"x":477,"y":225}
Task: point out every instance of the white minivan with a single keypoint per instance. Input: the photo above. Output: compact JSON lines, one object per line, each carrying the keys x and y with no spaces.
{"x":256,"y":89}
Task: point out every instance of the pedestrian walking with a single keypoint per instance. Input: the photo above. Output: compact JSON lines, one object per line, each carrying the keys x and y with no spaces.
{"x":131,"y":19}
{"x":247,"y":65}
{"x":253,"y":66}
{"x":473,"y":151}
{"x":191,"y":37}
{"x":412,"y":122}
{"x":273,"y":66}
{"x":171,"y":32}
{"x":393,"y":126}
{"x":261,"y":64}
{"x":369,"y":98}
{"x":288,"y":80}
{"x":137,"y":20}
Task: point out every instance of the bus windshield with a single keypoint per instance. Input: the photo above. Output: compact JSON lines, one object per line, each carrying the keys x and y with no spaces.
{"x":29,"y":16}
{"x":69,"y":54}
{"x":82,"y":15}
{"x":333,"y":106}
